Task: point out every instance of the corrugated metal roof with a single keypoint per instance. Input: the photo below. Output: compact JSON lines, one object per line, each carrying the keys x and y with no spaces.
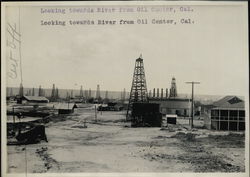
{"x":35,"y":98}
{"x":230,"y":102}
{"x":66,"y":106}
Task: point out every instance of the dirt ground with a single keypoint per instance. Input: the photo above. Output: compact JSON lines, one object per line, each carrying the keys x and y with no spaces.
{"x":110,"y":145}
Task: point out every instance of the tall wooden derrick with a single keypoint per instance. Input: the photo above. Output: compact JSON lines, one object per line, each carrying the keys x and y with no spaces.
{"x":173,"y":89}
{"x":98,"y":93}
{"x":81,"y":92}
{"x":138,"y":93}
{"x":21,"y":90}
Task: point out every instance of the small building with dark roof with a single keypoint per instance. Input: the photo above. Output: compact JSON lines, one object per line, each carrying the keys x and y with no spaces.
{"x":34,"y":99}
{"x":227,"y":113}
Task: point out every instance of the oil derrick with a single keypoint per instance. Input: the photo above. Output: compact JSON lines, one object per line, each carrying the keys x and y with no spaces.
{"x":138,"y":91}
{"x":173,"y":89}
{"x":98,"y":95}
{"x":40,"y":91}
{"x":20,"y":95}
{"x":53,"y":93}
{"x":81,"y":92}
{"x":106,"y":99}
{"x":21,"y":90}
{"x":166,"y":93}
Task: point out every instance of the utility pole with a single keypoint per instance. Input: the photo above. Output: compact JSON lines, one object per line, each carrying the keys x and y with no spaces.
{"x":192,"y":120}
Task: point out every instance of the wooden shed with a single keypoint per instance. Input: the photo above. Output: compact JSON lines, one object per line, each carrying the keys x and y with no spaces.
{"x":66,"y":108}
{"x":228,"y":113}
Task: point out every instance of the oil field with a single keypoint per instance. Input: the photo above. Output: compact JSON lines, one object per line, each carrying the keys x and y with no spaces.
{"x":148,"y":88}
{"x":137,"y":131}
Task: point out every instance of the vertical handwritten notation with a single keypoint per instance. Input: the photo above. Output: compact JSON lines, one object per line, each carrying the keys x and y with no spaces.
{"x":13,"y":42}
{"x":13,"y":48}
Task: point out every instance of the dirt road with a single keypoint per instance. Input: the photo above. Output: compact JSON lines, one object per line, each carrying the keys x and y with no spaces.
{"x":110,"y":145}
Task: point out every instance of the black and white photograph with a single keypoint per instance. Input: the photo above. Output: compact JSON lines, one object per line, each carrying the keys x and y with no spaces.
{"x":132,"y":87}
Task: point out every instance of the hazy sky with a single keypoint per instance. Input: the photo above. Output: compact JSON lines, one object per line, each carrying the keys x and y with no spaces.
{"x":213,"y":51}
